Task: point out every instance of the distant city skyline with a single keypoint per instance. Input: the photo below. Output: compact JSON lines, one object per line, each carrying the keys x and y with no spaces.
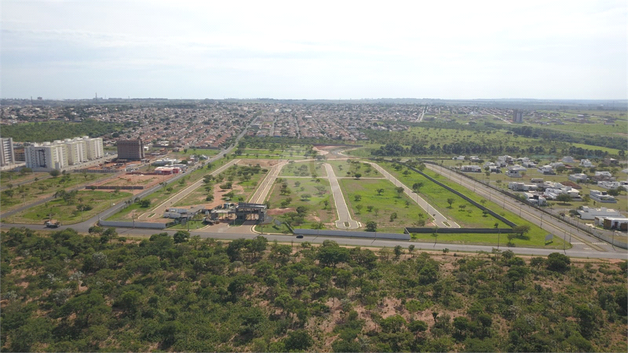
{"x":60,"y":49}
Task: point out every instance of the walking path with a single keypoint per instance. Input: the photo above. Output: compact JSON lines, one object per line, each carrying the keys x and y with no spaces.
{"x":344,"y":216}
{"x":158,"y":211}
{"x":440,"y":220}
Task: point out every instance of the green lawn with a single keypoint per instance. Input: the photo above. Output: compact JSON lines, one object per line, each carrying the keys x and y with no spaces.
{"x":14,"y":178}
{"x":466,"y":216}
{"x":303,"y":169}
{"x":383,"y":205}
{"x":43,"y":188}
{"x":319,"y":204}
{"x":67,"y":213}
{"x":350,"y":167}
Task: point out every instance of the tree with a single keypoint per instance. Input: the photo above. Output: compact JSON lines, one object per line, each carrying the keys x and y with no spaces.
{"x":371,"y":226}
{"x":380,"y":191}
{"x":393,"y":216}
{"x":298,"y":340}
{"x":398,"y":251}
{"x":399,"y":190}
{"x":558,"y":262}
{"x":450,"y":201}
{"x":357,"y":175}
{"x":181,"y":236}
{"x":359,"y":208}
{"x":563,"y":198}
{"x":522,"y":230}
{"x":145,"y":203}
{"x":357,"y":197}
{"x":417,"y":186}
{"x":55,"y":173}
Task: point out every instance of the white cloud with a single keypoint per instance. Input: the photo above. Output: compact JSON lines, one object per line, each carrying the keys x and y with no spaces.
{"x":448,"y":49}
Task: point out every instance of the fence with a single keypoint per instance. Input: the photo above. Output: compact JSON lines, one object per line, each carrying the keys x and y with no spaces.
{"x":111,"y":187}
{"x":460,"y":230}
{"x":602,"y":235}
{"x":340,"y":233}
{"x":133,"y":224}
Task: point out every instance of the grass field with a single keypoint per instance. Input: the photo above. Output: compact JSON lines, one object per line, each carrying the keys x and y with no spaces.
{"x":379,"y":207}
{"x":303,"y":169}
{"x":17,"y":177}
{"x":293,"y":152}
{"x":68,"y":213}
{"x":319,"y":204}
{"x":536,"y":235}
{"x":350,"y":167}
{"x":43,"y":188}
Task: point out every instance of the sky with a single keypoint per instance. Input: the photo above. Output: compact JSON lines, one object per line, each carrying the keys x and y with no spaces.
{"x":338,"y":49}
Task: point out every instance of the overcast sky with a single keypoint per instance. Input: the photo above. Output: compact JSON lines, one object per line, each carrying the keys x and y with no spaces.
{"x":315,"y":49}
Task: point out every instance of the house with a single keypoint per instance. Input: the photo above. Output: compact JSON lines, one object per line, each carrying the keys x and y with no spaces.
{"x":528,"y":164}
{"x":519,"y":186}
{"x":603,"y":176}
{"x":586,"y":163}
{"x":578,"y":177}
{"x":504,"y":161}
{"x":458,"y":158}
{"x":547,"y":170}
{"x":557,"y":165}
{"x":587,"y":213}
{"x":516,"y":171}
{"x":615,"y":223}
{"x":552,"y":193}
{"x":568,"y":159}
{"x":535,"y":199}
{"x":601,"y":196}
{"x":608,"y":184}
{"x":474,"y":159}
{"x":471,"y":169}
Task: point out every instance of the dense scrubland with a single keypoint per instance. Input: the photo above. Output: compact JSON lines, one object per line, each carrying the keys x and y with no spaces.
{"x":68,"y":292}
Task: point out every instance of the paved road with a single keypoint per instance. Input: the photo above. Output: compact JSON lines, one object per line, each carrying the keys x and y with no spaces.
{"x":584,"y":242}
{"x":430,"y":246}
{"x":259,"y":196}
{"x":158,"y":211}
{"x":440,"y":220}
{"x":344,"y":216}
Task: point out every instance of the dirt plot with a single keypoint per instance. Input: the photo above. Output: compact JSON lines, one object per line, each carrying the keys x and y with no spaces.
{"x":147,"y":181}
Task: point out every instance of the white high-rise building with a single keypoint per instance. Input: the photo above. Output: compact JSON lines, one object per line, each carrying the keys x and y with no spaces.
{"x":47,"y":155}
{"x":94,"y":147}
{"x":7,"y":154}
{"x":77,"y":151}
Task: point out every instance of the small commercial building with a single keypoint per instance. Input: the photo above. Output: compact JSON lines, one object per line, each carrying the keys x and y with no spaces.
{"x":587,"y":213}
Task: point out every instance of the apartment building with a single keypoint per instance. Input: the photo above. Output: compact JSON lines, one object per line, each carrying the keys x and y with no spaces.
{"x":7,"y":153}
{"x":47,"y":155}
{"x":62,"y":154}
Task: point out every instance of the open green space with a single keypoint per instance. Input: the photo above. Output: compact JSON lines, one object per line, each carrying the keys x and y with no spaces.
{"x":304,"y":203}
{"x":187,"y":152}
{"x":14,"y":178}
{"x":351,"y":168}
{"x":378,"y":201}
{"x":292,"y":152}
{"x":535,"y":237}
{"x":72,"y":209}
{"x":19,"y":195}
{"x":461,"y":211}
{"x":304,"y":169}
